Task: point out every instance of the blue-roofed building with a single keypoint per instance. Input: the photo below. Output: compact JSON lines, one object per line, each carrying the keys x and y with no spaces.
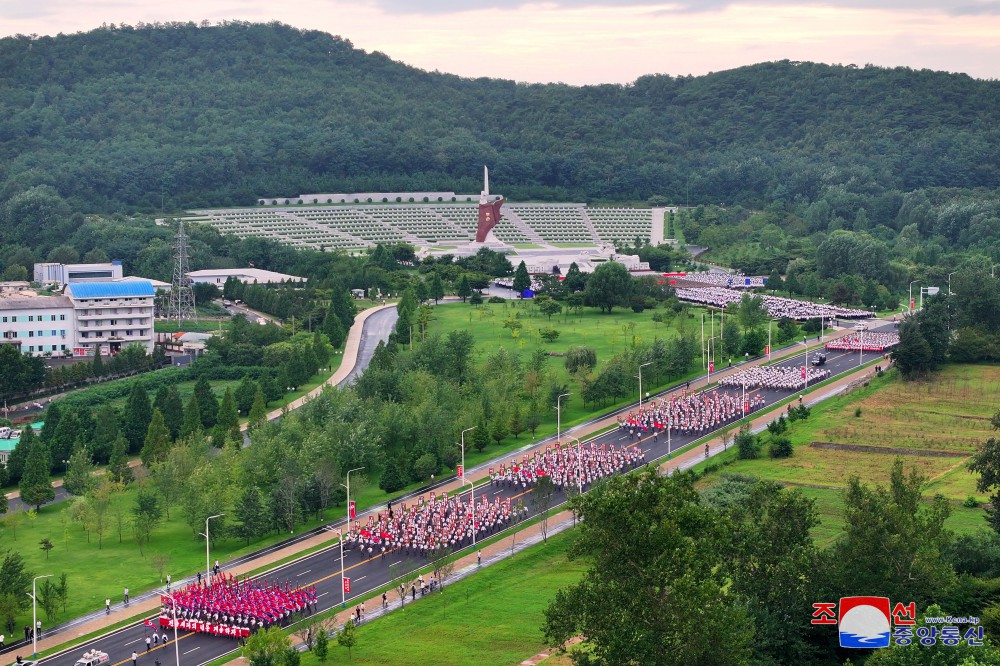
{"x":112,"y":315}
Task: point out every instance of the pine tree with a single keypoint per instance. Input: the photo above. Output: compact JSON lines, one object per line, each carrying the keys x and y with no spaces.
{"x":137,"y":416}
{"x":244,"y":394}
{"x":192,"y":418}
{"x":436,"y":290}
{"x":67,"y":436}
{"x":169,"y":403}
{"x":250,"y":514}
{"x":392,"y":480}
{"x":19,"y":456}
{"x":516,"y":421}
{"x":343,"y":305}
{"x":106,"y":431}
{"x":36,"y":488}
{"x":522,"y":280}
{"x":207,"y":403}
{"x":156,"y":446}
{"x":228,"y":424}
{"x":462,"y":288}
{"x":97,"y":367}
{"x":334,"y":331}
{"x":258,"y":411}
{"x":118,"y":467}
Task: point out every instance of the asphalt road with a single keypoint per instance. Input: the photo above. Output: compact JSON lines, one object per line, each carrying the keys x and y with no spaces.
{"x":376,"y":329}
{"x":323,"y":568}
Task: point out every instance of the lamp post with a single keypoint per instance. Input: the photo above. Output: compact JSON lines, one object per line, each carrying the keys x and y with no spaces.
{"x":343,"y":594}
{"x":909,"y":305}
{"x":769,"y":322}
{"x":559,"y":417}
{"x":473,"y":496}
{"x":34,"y":615}
{"x":861,"y":345}
{"x":173,"y":607}
{"x":641,"y":366}
{"x":949,"y":281}
{"x":208,"y":542}
{"x":711,"y":357}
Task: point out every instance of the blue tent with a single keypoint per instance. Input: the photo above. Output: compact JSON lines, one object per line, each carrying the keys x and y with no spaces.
{"x":527,"y":293}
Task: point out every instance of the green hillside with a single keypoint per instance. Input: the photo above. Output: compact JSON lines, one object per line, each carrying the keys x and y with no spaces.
{"x":172,"y":116}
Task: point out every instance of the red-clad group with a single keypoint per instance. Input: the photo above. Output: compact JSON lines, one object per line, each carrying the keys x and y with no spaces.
{"x":424,"y":526}
{"x":576,"y":466}
{"x":873,"y":341}
{"x":233,"y":607}
{"x":690,"y":412}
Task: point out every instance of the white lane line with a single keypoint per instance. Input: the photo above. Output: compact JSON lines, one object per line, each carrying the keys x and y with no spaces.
{"x":305,"y":572}
{"x":358,"y":580}
{"x":192,"y":650}
{"x":133,"y":642}
{"x":322,"y":594}
{"x":395,"y":563}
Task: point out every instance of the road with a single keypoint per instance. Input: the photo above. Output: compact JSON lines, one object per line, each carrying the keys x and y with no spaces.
{"x":376,"y":329}
{"x":323,"y":568}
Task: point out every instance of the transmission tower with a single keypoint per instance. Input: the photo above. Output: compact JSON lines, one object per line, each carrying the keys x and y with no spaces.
{"x":181,"y":306}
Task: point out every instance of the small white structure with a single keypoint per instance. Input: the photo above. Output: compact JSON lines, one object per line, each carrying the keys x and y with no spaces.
{"x":218,"y":276}
{"x":63,"y":274}
{"x":37,"y":325}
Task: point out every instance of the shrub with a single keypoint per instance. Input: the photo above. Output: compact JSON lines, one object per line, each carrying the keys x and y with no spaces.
{"x":497,"y":299}
{"x":549,"y":334}
{"x":781,"y":447}
{"x":970,"y":502}
{"x":425,"y":466}
{"x":476,"y":298}
{"x":857,"y":412}
{"x":747,"y":445}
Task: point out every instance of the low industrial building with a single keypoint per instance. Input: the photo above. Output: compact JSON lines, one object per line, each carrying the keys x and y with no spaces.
{"x":218,"y":276}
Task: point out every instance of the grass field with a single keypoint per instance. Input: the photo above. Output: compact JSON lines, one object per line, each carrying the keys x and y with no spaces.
{"x":947,"y":414}
{"x":97,"y":572}
{"x":199,"y":326}
{"x":492,"y":617}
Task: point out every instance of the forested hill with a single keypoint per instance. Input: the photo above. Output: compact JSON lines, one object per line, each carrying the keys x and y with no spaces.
{"x":144,"y":118}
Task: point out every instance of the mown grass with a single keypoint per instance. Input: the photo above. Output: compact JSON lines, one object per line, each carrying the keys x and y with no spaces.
{"x":492,"y":617}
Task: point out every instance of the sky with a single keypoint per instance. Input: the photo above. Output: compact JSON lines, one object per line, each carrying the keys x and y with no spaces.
{"x":589,"y":41}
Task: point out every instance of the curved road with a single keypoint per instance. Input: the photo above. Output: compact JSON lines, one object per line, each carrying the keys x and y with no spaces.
{"x":323,"y":568}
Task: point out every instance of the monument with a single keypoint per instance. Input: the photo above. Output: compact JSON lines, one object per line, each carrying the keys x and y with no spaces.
{"x":489,"y":211}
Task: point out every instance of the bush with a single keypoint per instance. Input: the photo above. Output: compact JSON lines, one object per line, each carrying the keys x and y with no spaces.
{"x":857,"y":412}
{"x":425,"y":466}
{"x":747,"y":446}
{"x":497,"y":299}
{"x":781,"y":447}
{"x":476,"y":298}
{"x":580,"y":358}
{"x":549,"y":334}
{"x":970,"y":502}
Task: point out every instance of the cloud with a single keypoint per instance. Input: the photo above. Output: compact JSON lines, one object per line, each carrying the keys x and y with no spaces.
{"x":948,"y":7}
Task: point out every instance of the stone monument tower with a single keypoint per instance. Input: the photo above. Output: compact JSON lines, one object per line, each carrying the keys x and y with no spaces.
{"x":489,"y":211}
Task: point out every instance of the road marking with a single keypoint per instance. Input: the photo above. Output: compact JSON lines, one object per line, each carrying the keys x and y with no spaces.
{"x":322,"y":595}
{"x":192,"y":650}
{"x":133,"y":642}
{"x":305,"y":572}
{"x":395,"y":563}
{"x":358,"y":580}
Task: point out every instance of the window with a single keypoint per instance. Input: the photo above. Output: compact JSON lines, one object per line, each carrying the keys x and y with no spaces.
{"x":53,"y":331}
{"x":52,"y":317}
{"x":62,"y":317}
{"x":62,"y":332}
{"x":31,"y":334}
{"x":31,"y":317}
{"x":31,"y":348}
{"x":5,"y":320}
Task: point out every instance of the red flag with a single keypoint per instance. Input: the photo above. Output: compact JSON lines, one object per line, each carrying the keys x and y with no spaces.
{"x":353,"y":513}
{"x":803,"y":372}
{"x":347,"y":585}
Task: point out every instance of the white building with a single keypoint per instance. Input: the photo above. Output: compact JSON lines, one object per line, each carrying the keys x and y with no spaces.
{"x":112,"y":315}
{"x":218,"y":276}
{"x":37,"y":325}
{"x":48,"y":273}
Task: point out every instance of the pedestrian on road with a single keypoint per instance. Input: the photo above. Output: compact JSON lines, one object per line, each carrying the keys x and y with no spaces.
{"x":149,"y":642}
{"x":125,"y":595}
{"x":413,"y":592}
{"x":38,"y":628}
{"x":134,"y":657}
{"x":2,"y":638}
{"x":364,"y":613}
{"x":385,"y":604}
{"x":706,"y":450}
{"x":168,"y":581}
{"x":163,"y":638}
{"x":156,"y":638}
{"x":107,"y":606}
{"x":479,"y":558}
{"x":27,"y":633}
{"x":199,"y":578}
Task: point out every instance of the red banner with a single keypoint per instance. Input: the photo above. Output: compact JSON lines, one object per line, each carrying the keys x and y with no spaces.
{"x":461,"y":472}
{"x":912,"y":303}
{"x":352,"y":511}
{"x":767,"y":349}
{"x":711,"y":366}
{"x":347,"y":585}
{"x":803,"y":372}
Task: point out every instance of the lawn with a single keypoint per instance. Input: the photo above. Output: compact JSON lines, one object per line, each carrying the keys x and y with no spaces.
{"x":492,"y":617}
{"x":95,"y":572}
{"x":195,"y":326}
{"x":948,"y":414}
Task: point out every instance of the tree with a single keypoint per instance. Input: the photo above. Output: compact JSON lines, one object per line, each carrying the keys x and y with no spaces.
{"x":893,"y":541}
{"x":118,"y":467}
{"x":392,"y":479}
{"x":913,"y":355}
{"x":436,"y":289}
{"x":462,"y":289}
{"x":192,"y":418}
{"x":634,"y":604}
{"x":157,"y":442}
{"x":80,"y":472}
{"x":541,"y":502}
{"x":774,"y":281}
{"x":46,"y":545}
{"x":15,"y":583}
{"x":348,"y":637}
{"x":522,"y":280}
{"x":499,"y":428}
{"x":264,"y":647}
{"x":250,"y":514}
{"x":516,"y":425}
{"x":549,"y":307}
{"x":228,"y":423}
{"x":258,"y":411}
{"x":146,"y":515}
{"x":36,"y":488}
{"x":168,"y":401}
{"x":609,"y":285}
{"x":207,"y":402}
{"x":135,"y":421}
{"x":322,"y":646}
{"x":580,"y":358}
{"x":986,"y":462}
{"x":481,"y":435}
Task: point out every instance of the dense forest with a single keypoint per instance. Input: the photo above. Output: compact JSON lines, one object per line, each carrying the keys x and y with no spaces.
{"x":150,"y":117}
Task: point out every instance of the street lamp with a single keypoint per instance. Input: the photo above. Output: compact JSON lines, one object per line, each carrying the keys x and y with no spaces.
{"x":860,"y":328}
{"x":34,"y":615}
{"x":173,"y":606}
{"x":641,"y":366}
{"x":343,"y":594}
{"x":473,"y":497}
{"x":208,"y":559}
{"x":910,"y":304}
{"x":559,"y":417}
{"x":949,"y":281}
{"x":711,"y":357}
